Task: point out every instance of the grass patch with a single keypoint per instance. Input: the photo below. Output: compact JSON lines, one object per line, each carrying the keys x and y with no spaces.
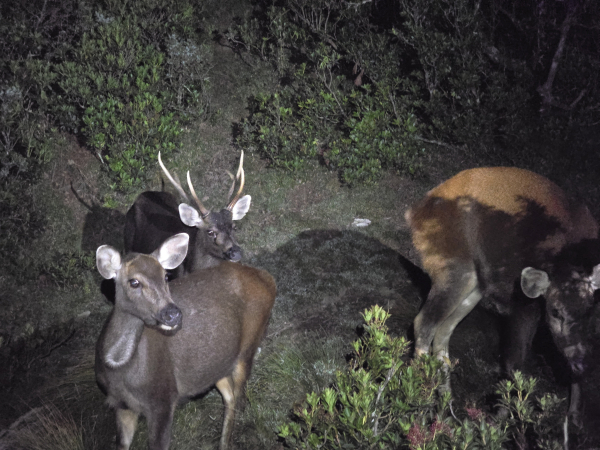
{"x":47,"y":428}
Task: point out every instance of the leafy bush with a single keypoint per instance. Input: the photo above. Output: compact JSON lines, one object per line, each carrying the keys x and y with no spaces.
{"x":355,"y":128}
{"x":364,"y":86}
{"x":121,"y":74}
{"x":460,"y":91}
{"x":130,"y":91}
{"x":381,"y":401}
{"x":118,"y":80}
{"x":31,"y":34}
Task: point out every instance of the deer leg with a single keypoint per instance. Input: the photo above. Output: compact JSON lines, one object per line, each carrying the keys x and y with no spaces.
{"x":160,"y":420}
{"x":449,"y":291}
{"x":470,"y":296}
{"x":126,"y":425}
{"x":442,"y":336}
{"x":520,"y":329}
{"x":226,"y":388}
{"x":436,"y":308}
{"x":232,"y":390}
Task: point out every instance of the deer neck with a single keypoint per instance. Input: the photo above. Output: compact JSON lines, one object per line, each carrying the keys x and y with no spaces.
{"x":121,"y":337}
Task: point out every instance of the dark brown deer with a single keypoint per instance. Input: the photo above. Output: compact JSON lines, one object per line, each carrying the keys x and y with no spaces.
{"x":513,"y":238}
{"x":165,"y":343}
{"x":155,"y":216}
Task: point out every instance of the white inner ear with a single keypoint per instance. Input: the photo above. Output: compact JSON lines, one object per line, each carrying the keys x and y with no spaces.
{"x":595,"y":278}
{"x":534,"y":282}
{"x":173,"y":251}
{"x":241,"y":207}
{"x":190,"y":216}
{"x":108,"y":261}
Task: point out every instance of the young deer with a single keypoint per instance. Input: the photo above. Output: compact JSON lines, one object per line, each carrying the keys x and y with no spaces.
{"x":514,"y":239}
{"x":165,"y":343}
{"x":154,"y":216}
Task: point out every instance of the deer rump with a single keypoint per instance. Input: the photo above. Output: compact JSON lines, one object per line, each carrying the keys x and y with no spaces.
{"x":152,"y":219}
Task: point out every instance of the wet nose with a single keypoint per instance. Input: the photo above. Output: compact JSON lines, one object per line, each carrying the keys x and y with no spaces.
{"x":234,"y":254}
{"x":575,"y":355}
{"x":577,"y":366}
{"x":170,"y":316}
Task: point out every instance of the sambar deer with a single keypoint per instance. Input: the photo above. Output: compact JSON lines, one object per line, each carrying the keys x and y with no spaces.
{"x":513,"y":238}
{"x":156,"y":215}
{"x":167,"y":342}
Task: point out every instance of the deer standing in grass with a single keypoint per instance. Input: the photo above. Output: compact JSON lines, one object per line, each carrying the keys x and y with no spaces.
{"x":512,"y":238}
{"x":165,"y":343}
{"x":154,"y":216}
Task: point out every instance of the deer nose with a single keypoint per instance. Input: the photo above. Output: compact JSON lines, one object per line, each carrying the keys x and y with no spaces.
{"x":234,"y":254}
{"x":575,"y":356}
{"x":170,"y":317}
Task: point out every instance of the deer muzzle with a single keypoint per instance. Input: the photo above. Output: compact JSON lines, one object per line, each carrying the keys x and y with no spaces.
{"x":169,"y":318}
{"x":575,"y":355}
{"x":234,"y":254}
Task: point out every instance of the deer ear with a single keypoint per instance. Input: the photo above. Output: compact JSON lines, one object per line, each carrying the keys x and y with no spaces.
{"x":595,"y":278}
{"x":241,"y":207}
{"x":190,"y":216}
{"x":108,"y":261}
{"x":173,"y":251}
{"x":534,"y":282}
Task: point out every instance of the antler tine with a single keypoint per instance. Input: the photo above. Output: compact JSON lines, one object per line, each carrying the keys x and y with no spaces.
{"x":229,"y":194}
{"x":172,"y":180}
{"x":237,"y":176}
{"x":240,"y":176}
{"x":203,"y":211}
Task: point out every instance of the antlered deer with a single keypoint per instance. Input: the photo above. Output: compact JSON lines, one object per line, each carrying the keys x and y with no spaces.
{"x":164,"y":343}
{"x":512,"y":237}
{"x":155,"y":216}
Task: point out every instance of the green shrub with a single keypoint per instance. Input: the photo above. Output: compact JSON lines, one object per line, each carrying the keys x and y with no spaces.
{"x":128,"y":95}
{"x":31,"y":34}
{"x":382,"y":401}
{"x":357,"y":130}
{"x":123,"y":75}
{"x":464,"y":95}
{"x":365,"y":86}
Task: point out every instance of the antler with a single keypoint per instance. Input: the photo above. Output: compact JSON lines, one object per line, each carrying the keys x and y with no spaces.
{"x":203,"y":211}
{"x":172,"y":180}
{"x":239,"y":176}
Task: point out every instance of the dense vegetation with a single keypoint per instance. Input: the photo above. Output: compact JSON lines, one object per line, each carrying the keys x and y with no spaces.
{"x":356,"y":87}
{"x":365,"y":86}
{"x":382,"y":402}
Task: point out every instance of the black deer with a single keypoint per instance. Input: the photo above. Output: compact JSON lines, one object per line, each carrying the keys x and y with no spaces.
{"x":156,"y":215}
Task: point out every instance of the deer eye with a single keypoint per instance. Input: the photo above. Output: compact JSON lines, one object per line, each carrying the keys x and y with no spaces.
{"x":134,"y":283}
{"x":555,"y":313}
{"x":211,"y":233}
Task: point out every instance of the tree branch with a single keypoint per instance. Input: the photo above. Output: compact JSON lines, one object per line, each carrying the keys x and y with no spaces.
{"x":545,"y":90}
